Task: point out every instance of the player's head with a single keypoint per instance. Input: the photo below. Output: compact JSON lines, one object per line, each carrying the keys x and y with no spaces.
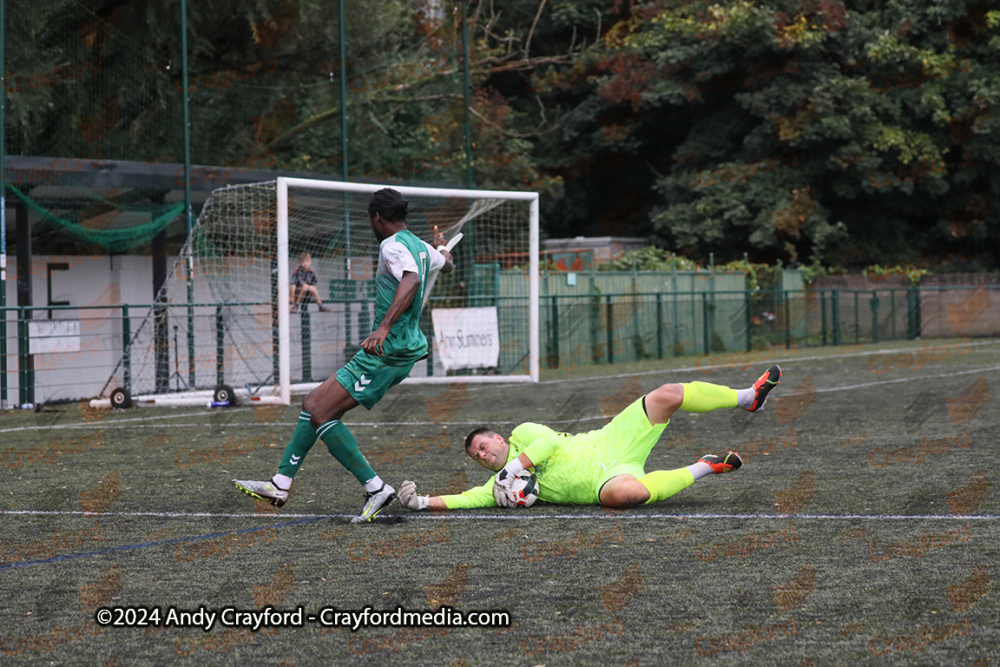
{"x":387,"y":213}
{"x":487,"y":448}
{"x":305,"y":260}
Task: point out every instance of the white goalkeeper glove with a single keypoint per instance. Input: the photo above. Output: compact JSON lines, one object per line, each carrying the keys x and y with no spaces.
{"x":504,"y":496}
{"x":408,"y":496}
{"x":502,"y":492}
{"x":507,"y":474}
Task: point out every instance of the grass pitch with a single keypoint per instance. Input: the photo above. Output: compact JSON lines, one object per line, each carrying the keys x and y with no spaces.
{"x":861,"y":530}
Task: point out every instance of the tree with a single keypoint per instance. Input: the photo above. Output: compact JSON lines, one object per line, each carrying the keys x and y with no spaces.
{"x":806,"y":131}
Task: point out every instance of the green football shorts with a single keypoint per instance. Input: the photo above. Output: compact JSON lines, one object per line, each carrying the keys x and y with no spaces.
{"x":367,"y":377}
{"x":627,"y":441}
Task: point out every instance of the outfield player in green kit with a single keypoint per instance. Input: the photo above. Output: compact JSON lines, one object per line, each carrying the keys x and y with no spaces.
{"x":386,"y":357}
{"x":604,"y":466}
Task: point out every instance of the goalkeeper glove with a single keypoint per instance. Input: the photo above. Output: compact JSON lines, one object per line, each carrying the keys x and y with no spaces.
{"x":507,"y":474}
{"x":502,"y":492}
{"x":504,"y":496}
{"x":408,"y":496}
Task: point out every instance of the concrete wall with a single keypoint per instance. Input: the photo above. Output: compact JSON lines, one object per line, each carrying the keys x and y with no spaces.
{"x":116,"y":280}
{"x":88,"y":281}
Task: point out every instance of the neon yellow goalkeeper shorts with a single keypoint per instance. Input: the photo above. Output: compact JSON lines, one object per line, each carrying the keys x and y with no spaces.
{"x":627,"y":441}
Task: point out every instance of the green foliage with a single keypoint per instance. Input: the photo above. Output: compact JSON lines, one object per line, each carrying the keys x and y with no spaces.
{"x":782,"y":130}
{"x":786,"y":129}
{"x":812,"y":271}
{"x":758,"y":276}
{"x":912,"y":273}
{"x":649,"y":258}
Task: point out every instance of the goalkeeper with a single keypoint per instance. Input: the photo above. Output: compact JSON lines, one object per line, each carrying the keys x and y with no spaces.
{"x":386,"y":357}
{"x":598,"y":467}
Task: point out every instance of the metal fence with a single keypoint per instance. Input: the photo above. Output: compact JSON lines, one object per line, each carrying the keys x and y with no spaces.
{"x":71,"y":352}
{"x":630,"y":326}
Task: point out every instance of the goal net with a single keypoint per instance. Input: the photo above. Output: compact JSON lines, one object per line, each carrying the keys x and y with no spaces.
{"x":227,"y":316}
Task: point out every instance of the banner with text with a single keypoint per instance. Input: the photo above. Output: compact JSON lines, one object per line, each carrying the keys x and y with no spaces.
{"x":466,"y":337}
{"x":53,"y":336}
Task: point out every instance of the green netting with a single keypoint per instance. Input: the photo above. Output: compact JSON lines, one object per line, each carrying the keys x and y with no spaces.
{"x":91,"y":84}
{"x":112,"y":240}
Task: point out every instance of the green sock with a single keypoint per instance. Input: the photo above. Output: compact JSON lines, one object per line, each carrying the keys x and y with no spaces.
{"x":705,"y":397}
{"x":302,"y":441}
{"x":664,"y":483}
{"x":341,"y":443}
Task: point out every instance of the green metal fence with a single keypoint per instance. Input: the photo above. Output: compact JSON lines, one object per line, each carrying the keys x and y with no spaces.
{"x":576,"y":330}
{"x":631,"y":326}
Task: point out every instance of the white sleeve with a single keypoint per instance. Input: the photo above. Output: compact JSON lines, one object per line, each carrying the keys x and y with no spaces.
{"x":398,"y":259}
{"x":437,"y":259}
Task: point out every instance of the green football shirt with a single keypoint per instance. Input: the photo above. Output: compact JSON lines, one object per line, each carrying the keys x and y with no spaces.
{"x":400,"y":253}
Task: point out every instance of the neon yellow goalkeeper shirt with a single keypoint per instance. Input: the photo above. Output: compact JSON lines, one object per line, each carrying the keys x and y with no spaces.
{"x":567,"y":468}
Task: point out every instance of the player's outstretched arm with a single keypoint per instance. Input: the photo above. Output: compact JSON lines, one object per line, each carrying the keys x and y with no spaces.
{"x":480,"y":496}
{"x":411,"y":500}
{"x":443,"y":247}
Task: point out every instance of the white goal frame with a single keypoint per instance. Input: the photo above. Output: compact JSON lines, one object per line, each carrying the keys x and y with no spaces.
{"x":280,"y":392}
{"x":285,"y":386}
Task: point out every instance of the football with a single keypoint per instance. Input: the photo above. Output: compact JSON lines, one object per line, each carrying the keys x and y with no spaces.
{"x":525,"y":487}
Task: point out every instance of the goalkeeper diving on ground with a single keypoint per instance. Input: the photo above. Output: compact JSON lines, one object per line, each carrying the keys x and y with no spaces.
{"x":386,"y":357}
{"x":605,"y":466}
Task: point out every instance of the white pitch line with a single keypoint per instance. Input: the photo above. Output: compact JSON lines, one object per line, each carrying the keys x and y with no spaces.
{"x":130,"y":421}
{"x":736,"y":365}
{"x":988,"y":369}
{"x":438,"y":516}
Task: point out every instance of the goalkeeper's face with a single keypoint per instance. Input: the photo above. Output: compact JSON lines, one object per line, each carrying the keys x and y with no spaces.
{"x":489,"y":451}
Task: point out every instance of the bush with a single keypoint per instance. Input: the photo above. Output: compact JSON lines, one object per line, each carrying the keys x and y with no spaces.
{"x":912,"y":273}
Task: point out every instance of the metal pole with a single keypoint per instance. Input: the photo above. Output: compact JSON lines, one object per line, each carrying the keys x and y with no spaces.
{"x":533,"y":301}
{"x":835,"y":315}
{"x":747,"y":320}
{"x":659,"y":325}
{"x":126,"y":344}
{"x":307,"y":343}
{"x":24,"y":298}
{"x":467,"y":87}
{"x":822,"y":310}
{"x":23,"y":381}
{"x":608,"y":322}
{"x":3,"y":207}
{"x":220,"y":347}
{"x":705,"y":334}
{"x":677,"y":348}
{"x":874,"y":306}
{"x":344,"y":162}
{"x":710,"y":312}
{"x":187,"y":192}
{"x":892,"y":312}
{"x":788,"y":319}
{"x":554,"y":347}
{"x":857,"y":319}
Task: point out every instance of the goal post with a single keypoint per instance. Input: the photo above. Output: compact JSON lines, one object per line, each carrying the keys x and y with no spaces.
{"x":259,"y":334}
{"x":415,"y":194}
